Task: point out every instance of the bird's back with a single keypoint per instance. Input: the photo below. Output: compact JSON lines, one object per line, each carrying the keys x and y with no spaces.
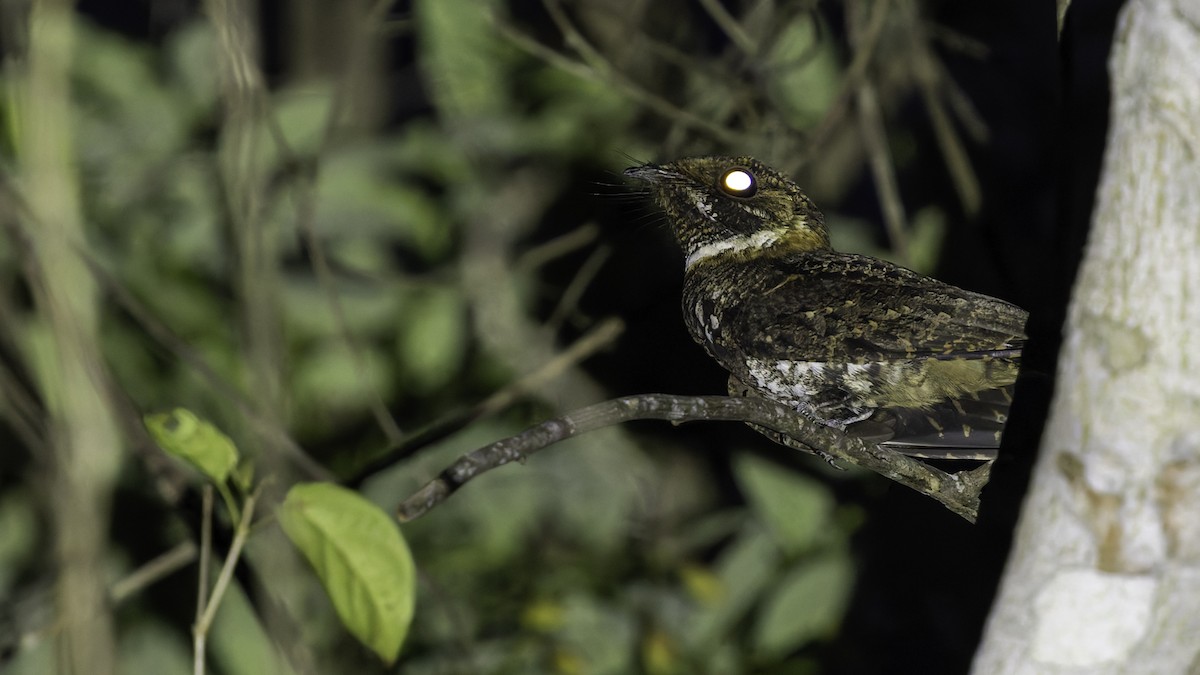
{"x":861,"y":344}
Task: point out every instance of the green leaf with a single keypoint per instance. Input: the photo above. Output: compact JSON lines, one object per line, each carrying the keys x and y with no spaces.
{"x":925,"y":239}
{"x":332,"y":382}
{"x":128,"y":126}
{"x":190,"y":53}
{"x":302,"y":114}
{"x":310,"y":316}
{"x":808,"y":603}
{"x":803,"y":70}
{"x":19,"y":535}
{"x":795,"y":508}
{"x":744,"y":570}
{"x":358,"y":196}
{"x":853,"y":235}
{"x":601,"y":635}
{"x":182,"y":434}
{"x":461,"y":56}
{"x":361,"y":559}
{"x":432,"y":340}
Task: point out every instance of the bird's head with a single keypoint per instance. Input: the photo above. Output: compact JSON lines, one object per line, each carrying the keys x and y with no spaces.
{"x":731,"y":208}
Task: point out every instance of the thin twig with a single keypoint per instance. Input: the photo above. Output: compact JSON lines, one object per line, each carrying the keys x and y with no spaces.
{"x":959,"y":492}
{"x":205,"y":551}
{"x":953,"y":152}
{"x":879,"y":155}
{"x":863,"y":53}
{"x":600,"y":337}
{"x":583,"y":278}
{"x":200,"y":630}
{"x":955,"y":40}
{"x":306,"y":205}
{"x":883,"y":170}
{"x":962,"y":107}
{"x":611,"y":76}
{"x":557,"y":247}
{"x":499,"y":316}
{"x":596,"y":60}
{"x":13,"y":634}
{"x":151,"y":572}
{"x":18,"y":400}
{"x":929,"y":77}
{"x":20,"y":407}
{"x":177,"y":346}
{"x":730,"y":26}
{"x":160,"y":333}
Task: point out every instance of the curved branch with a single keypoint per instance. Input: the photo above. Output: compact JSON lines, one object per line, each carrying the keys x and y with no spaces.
{"x":959,"y":492}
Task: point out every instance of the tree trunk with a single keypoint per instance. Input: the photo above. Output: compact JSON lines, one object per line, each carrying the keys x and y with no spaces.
{"x":1104,"y":575}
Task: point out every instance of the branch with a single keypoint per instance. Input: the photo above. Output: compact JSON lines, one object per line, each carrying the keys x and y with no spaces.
{"x":875,"y":143}
{"x":595,"y":68}
{"x":855,"y":74}
{"x":934,"y":84}
{"x":205,"y":617}
{"x":600,"y":337}
{"x":959,"y":492}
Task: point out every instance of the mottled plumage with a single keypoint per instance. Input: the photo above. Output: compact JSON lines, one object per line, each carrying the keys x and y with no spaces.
{"x":855,"y":342}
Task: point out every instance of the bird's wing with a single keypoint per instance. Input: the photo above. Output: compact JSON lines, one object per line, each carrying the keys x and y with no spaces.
{"x":849,"y":308}
{"x":843,"y":308}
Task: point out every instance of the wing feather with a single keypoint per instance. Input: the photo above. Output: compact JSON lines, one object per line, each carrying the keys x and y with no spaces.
{"x":849,"y":308}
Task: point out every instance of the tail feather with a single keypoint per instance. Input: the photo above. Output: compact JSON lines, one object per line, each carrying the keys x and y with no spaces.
{"x":968,"y":428}
{"x":961,"y":429}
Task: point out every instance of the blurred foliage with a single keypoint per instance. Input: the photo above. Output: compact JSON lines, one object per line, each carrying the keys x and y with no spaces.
{"x":616,"y":553}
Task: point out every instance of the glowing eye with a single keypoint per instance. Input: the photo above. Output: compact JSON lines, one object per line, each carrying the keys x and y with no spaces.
{"x":738,"y":182}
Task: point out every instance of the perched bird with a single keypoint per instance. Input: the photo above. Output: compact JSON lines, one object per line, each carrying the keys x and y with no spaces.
{"x":854,"y":342}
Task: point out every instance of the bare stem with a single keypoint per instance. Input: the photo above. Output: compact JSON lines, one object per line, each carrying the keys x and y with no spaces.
{"x":200,"y":630}
{"x":205,"y":552}
{"x":596,"y":69}
{"x":856,"y":72}
{"x":874,"y":137}
{"x":600,"y":337}
{"x":959,"y":492}
{"x":160,"y":567}
{"x":883,"y":170}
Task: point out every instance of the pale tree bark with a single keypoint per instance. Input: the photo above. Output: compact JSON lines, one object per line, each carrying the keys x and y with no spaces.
{"x":1104,"y":575}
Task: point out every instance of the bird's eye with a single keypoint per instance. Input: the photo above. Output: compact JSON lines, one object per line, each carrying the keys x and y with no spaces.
{"x":738,"y":182}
